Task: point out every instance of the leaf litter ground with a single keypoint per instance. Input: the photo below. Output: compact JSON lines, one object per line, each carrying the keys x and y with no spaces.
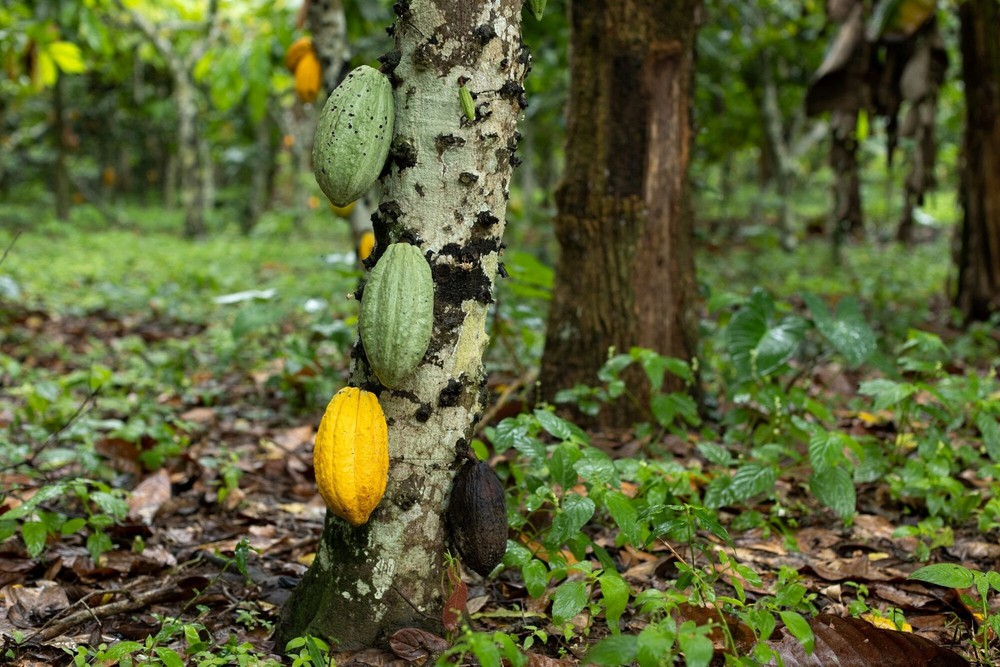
{"x":172,"y":556}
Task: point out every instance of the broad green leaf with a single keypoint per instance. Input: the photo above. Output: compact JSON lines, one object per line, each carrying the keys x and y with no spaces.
{"x":116,"y":652}
{"x":655,"y":645}
{"x":989,"y":427}
{"x":34,"y":534}
{"x":561,"y":465}
{"x":596,"y":467}
{"x":625,"y":516}
{"x":535,"y":577}
{"x":569,"y":600}
{"x":67,"y":57}
{"x":485,"y":649}
{"x":886,"y":393}
{"x":697,"y":649}
{"x":612,"y":651}
{"x":835,"y":489}
{"x":826,"y":449}
{"x":799,"y":628}
{"x":848,"y":331}
{"x":168,"y":657}
{"x":555,"y":425}
{"x":615,"y":593}
{"x":752,"y":479}
{"x":576,"y":512}
{"x":512,"y":433}
{"x":949,"y":575}
{"x":757,"y":345}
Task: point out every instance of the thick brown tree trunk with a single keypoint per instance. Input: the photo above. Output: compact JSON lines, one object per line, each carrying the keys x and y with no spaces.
{"x":625,"y":274}
{"x":979,"y":251}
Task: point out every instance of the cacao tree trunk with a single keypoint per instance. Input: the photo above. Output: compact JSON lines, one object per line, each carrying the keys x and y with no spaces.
{"x":979,"y":249}
{"x":625,"y":275}
{"x":446,"y":192}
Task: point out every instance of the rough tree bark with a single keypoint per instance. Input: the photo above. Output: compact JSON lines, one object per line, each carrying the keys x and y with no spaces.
{"x":979,"y":249}
{"x":446,"y":191}
{"x":625,"y":275}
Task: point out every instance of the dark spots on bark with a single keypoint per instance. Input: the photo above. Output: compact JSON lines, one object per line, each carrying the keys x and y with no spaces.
{"x":402,"y":9}
{"x":388,"y":229}
{"x":403,"y":393}
{"x":514,"y":92}
{"x":485,"y":33}
{"x":456,"y":284}
{"x":389,"y":61}
{"x":472,"y":252}
{"x":524,"y":56}
{"x":423,"y":413}
{"x":402,"y":154}
{"x":444,"y":142}
{"x":503,"y":64}
{"x":407,"y":494}
{"x":485,"y":219}
{"x":423,"y":56}
{"x":450,"y":395}
{"x":462,"y":450}
{"x":468,"y":178}
{"x":419,"y":189}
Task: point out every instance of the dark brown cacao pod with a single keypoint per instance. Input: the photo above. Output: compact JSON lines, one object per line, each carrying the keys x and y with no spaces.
{"x":477,"y":517}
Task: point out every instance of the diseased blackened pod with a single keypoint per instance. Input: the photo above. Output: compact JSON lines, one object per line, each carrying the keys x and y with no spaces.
{"x":353,"y":135}
{"x":477,"y":517}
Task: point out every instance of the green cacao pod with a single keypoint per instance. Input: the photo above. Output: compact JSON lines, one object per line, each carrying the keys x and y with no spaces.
{"x":468,"y":106}
{"x":477,"y":516}
{"x":397,"y":313}
{"x":537,"y":8}
{"x":353,"y":135}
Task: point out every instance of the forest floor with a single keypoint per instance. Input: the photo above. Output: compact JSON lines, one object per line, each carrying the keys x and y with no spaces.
{"x":160,"y":400}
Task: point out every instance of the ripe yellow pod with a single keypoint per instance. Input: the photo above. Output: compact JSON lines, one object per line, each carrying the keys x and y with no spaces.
{"x":299,"y":48}
{"x":366,"y":245}
{"x":351,"y":456}
{"x":307,"y":78}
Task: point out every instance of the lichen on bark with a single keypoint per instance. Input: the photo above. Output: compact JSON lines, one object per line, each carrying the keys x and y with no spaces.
{"x":366,"y":582}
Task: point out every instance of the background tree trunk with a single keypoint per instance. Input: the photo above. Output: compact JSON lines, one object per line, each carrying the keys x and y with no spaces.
{"x":625,"y":275}
{"x":60,"y":174}
{"x":979,"y":250}
{"x":191,"y":184}
{"x":446,"y":192}
{"x":848,"y":219}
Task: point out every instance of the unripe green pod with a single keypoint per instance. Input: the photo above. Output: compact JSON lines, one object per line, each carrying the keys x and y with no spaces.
{"x":537,"y":8}
{"x":468,"y":106}
{"x":353,"y":135}
{"x":397,"y":313}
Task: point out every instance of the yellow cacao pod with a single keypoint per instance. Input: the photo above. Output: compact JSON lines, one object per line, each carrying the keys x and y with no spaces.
{"x":342,"y":211}
{"x":307,"y":78}
{"x":366,"y":245}
{"x":351,"y":456}
{"x":296,"y":51}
